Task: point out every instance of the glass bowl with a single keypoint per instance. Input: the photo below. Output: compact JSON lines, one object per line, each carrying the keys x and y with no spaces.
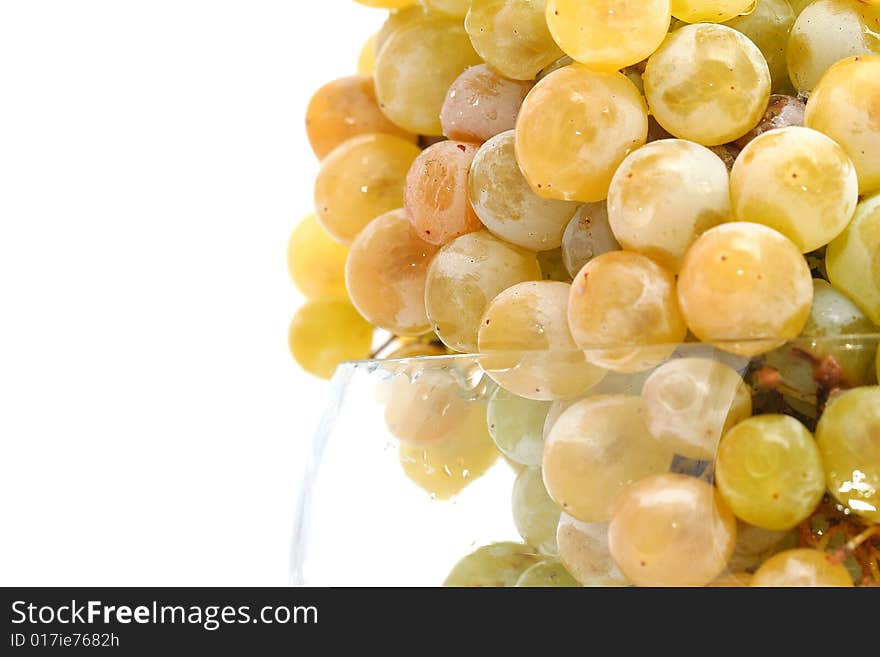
{"x":375,"y":511}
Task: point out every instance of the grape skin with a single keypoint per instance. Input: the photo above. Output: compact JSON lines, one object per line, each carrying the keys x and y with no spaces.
{"x":316,"y":262}
{"x":327,"y":332}
{"x":546,"y":574}
{"x":717,"y":11}
{"x":583,"y":550}
{"x":516,"y":425}
{"x":587,"y":236}
{"x":535,"y":514}
{"x":769,"y":26}
{"x":496,"y":565}
{"x":799,"y":568}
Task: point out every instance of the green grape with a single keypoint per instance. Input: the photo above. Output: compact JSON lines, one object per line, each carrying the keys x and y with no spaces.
{"x":360,"y":180}
{"x":797,"y":181}
{"x":517,"y":426}
{"x":754,"y":545}
{"x":415,"y":67}
{"x":457,"y":8}
{"x":547,"y":574}
{"x":849,"y":440}
{"x":768,"y":26}
{"x":327,"y":332}
{"x":506,"y":204}
{"x":512,"y":36}
{"x":536,"y":515}
{"x":343,"y":109}
{"x":715,"y":11}
{"x":691,"y":402}
{"x":316,"y":262}
{"x":553,"y":266}
{"x":746,"y":288}
{"x":707,"y":83}
{"x":801,"y":568}
{"x":463,"y":279}
{"x":664,"y":196}
{"x":587,"y":236}
{"x":844,"y":107}
{"x":597,"y":447}
{"x":529,"y":347}
{"x":583,"y":550}
{"x":826,"y":32}
{"x":575,"y":128}
{"x":852,"y":262}
{"x":608,"y":35}
{"x":625,"y":298}
{"x":481,"y":104}
{"x":769,"y":471}
{"x":671,"y":530}
{"x":496,"y":565}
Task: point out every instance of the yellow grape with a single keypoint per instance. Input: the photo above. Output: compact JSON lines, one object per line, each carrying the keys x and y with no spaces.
{"x":691,"y":402}
{"x":457,"y":8}
{"x":547,"y":574}
{"x":512,"y":36}
{"x":800,"y":5}
{"x":664,"y":196}
{"x":464,"y":278}
{"x":416,"y":350}
{"x":746,"y":288}
{"x":396,"y":20}
{"x":496,"y":565}
{"x":575,"y":128}
{"x":583,"y":550}
{"x":481,"y":104}
{"x":315,"y":261}
{"x":595,"y":448}
{"x":359,"y":181}
{"x":711,"y":11}
{"x":385,"y":274}
{"x":608,"y":35}
{"x":624,"y":298}
{"x":536,"y":515}
{"x":768,"y":26}
{"x":415,"y":67}
{"x":801,"y":568}
{"x":387,"y":4}
{"x":671,"y":530}
{"x":844,"y":107}
{"x":423,"y":407}
{"x":849,"y":440}
{"x":529,"y":322}
{"x":851,"y":259}
{"x":366,"y":64}
{"x":769,"y":471}
{"x":707,"y":83}
{"x":343,"y":109}
{"x":436,"y":194}
{"x":506,"y":204}
{"x":797,"y":181}
{"x":327,"y":332}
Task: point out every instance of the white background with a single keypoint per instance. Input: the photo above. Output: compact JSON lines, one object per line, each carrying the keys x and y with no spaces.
{"x":153,"y":162}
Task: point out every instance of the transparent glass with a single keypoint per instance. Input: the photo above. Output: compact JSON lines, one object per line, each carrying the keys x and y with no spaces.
{"x":378,"y":511}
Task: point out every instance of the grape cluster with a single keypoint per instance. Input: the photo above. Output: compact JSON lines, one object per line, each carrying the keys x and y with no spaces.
{"x":657,"y":226}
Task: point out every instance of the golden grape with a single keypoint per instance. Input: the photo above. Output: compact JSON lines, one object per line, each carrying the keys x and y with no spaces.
{"x":327,"y":332}
{"x":801,"y":568}
{"x":315,"y":261}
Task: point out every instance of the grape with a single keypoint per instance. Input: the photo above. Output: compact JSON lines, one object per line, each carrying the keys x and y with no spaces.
{"x":424,"y":407}
{"x":588,"y":235}
{"x":598,"y":446}
{"x":481,"y":104}
{"x":343,"y":109}
{"x":798,"y":568}
{"x":664,"y":196}
{"x":716,"y":11}
{"x":691,"y":402}
{"x":463,"y":279}
{"x":826,"y":32}
{"x":575,"y":128}
{"x":496,"y":565}
{"x":768,"y":26}
{"x":782,"y":112}
{"x":366,"y":64}
{"x":623,"y":298}
{"x":415,"y":67}
{"x":359,"y":181}
{"x":553,"y":266}
{"x":435,"y":196}
{"x":746,"y":288}
{"x":516,"y":425}
{"x":851,"y":259}
{"x":754,"y":545}
{"x":849,"y":440}
{"x":506,"y":204}
{"x":769,"y":472}
{"x":534,"y":513}
{"x":583,"y":550}
{"x":707,"y":83}
{"x":732,"y":580}
{"x":557,"y":408}
{"x":562,"y":62}
{"x":512,"y":36}
{"x":545,"y":575}
{"x":397,"y":20}
{"x":416,"y":350}
{"x":844,"y":107}
{"x":445,"y":468}
{"x":327,"y":332}
{"x":315,"y":261}
{"x":608,"y":35}
{"x":797,"y":181}
{"x":385,"y":274}
{"x":456,"y":8}
{"x":671,"y":530}
{"x":800,"y":5}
